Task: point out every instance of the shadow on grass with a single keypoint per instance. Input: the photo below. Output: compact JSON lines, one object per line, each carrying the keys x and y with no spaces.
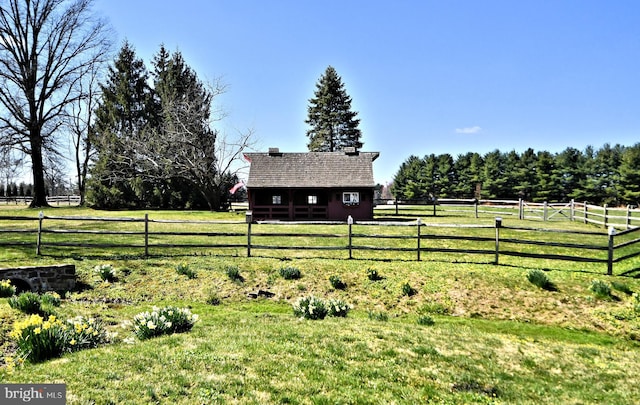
{"x":634,"y":273}
{"x":82,"y":286}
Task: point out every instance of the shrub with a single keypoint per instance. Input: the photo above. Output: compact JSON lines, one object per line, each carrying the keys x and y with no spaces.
{"x":33,"y":303}
{"x":51,"y":299}
{"x":372,"y":274}
{"x":337,"y":283}
{"x":378,"y":316}
{"x":183,"y":269}
{"x":6,"y":289}
{"x":106,"y":272}
{"x":233,"y":272}
{"x":39,"y":339}
{"x":27,"y":302}
{"x":310,"y":308}
{"x":408,"y":290}
{"x":425,"y":320}
{"x":540,"y":279}
{"x":290,"y":273}
{"x":601,"y":289}
{"x":163,"y":321}
{"x":434,"y":308}
{"x":337,"y":307}
{"x":213,"y":298}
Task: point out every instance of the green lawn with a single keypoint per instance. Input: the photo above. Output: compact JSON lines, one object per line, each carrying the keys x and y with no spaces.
{"x":495,"y":337}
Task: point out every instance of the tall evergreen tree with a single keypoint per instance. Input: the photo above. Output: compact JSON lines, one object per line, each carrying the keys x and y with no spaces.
{"x":124,"y":113}
{"x":511,"y":164}
{"x":187,"y":143}
{"x":604,"y":177}
{"x":405,"y":183}
{"x":464,"y":186}
{"x":334,"y":125}
{"x":547,"y":182}
{"x":525,"y":175}
{"x":570,"y":171}
{"x":494,"y":180}
{"x":630,"y":175}
{"x":427,"y":178}
{"x":445,"y":177}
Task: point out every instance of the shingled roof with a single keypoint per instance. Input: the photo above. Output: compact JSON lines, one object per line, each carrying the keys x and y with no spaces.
{"x":311,"y":169}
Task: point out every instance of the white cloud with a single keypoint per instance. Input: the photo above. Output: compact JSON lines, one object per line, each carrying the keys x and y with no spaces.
{"x":468,"y":130}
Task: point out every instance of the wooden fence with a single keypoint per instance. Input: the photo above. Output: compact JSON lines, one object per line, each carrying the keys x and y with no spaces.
{"x":408,"y":240}
{"x":619,"y":217}
{"x":53,"y":200}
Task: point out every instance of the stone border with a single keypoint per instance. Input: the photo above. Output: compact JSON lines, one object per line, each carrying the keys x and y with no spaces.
{"x":57,"y":277}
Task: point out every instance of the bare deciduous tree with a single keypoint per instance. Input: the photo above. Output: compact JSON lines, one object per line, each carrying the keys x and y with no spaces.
{"x":191,"y":151}
{"x":46,"y":48}
{"x":10,"y":166}
{"x":79,"y":124}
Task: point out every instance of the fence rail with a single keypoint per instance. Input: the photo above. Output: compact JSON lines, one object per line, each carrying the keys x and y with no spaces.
{"x":619,"y":217}
{"x":412,"y":239}
{"x":53,"y":200}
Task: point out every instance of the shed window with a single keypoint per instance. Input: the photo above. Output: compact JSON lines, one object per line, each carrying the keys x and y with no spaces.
{"x":276,"y":199}
{"x":351,"y":198}
{"x":312,"y":199}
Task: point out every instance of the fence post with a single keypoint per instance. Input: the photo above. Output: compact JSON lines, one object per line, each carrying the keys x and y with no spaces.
{"x":628,"y":219}
{"x":248,"y":216}
{"x":612,"y":234}
{"x":146,"y":234}
{"x":350,"y":223}
{"x":475,"y":203}
{"x":396,"y":206}
{"x":419,"y":224}
{"x":572,"y":210}
{"x":498,"y":226}
{"x":606,"y":213}
{"x":584,"y":216}
{"x":39,"y":240}
{"x":545,"y":211}
{"x":520,"y":209}
{"x":434,"y":206}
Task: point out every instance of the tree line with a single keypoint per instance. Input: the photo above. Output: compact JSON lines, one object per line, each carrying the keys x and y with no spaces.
{"x":609,"y":175}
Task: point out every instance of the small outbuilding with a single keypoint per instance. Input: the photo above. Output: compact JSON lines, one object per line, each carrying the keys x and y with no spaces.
{"x":311,"y":185}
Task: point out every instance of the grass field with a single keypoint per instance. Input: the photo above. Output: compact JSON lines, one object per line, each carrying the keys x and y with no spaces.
{"x":491,"y":336}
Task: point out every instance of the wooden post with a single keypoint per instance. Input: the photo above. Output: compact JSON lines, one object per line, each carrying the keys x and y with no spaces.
{"x":498,"y":226}
{"x":350,"y":223}
{"x":520,"y":209}
{"x":146,"y":234}
{"x":606,"y":213}
{"x":475,"y":203}
{"x":572,"y":210}
{"x":419,"y":224}
{"x":545,"y":208}
{"x":396,"y":207}
{"x":628,"y":219}
{"x":248,"y":217}
{"x":39,"y":240}
{"x":584,"y":216}
{"x":612,"y":234}
{"x":434,"y":206}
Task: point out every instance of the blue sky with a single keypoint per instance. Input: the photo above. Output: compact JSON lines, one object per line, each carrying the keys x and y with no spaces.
{"x":446,"y":76}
